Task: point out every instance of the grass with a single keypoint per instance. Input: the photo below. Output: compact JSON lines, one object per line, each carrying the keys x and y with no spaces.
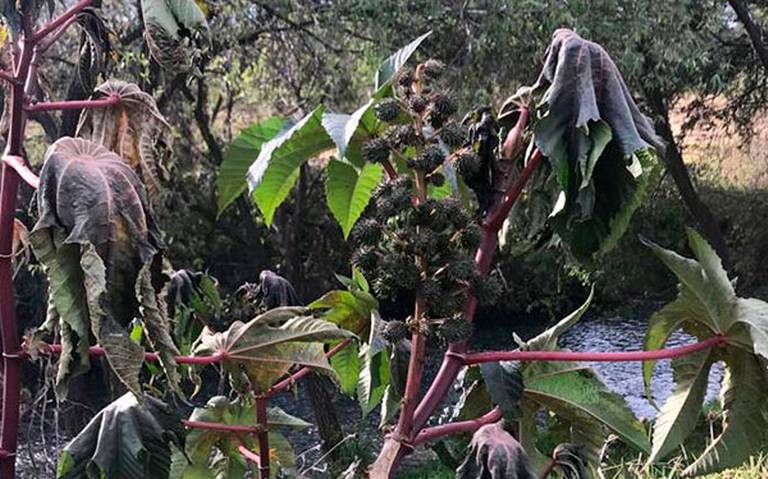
{"x":755,"y":468}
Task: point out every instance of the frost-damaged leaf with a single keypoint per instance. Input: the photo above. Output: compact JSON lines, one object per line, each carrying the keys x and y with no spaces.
{"x":134,"y":128}
{"x":200,"y":443}
{"x":572,"y":460}
{"x":240,"y":154}
{"x":601,"y":149}
{"x":125,"y":439}
{"x":259,"y":352}
{"x":495,"y":454}
{"x":395,"y":62}
{"x":100,"y":247}
{"x":348,"y":191}
{"x":272,"y":176}
{"x":176,"y":32}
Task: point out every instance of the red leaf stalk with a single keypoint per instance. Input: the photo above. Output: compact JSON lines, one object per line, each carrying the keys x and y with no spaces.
{"x":111,"y":100}
{"x":262,"y":436}
{"x":436,"y":432}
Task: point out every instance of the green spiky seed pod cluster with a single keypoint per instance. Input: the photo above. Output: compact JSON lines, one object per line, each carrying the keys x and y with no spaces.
{"x":395,"y":331}
{"x":409,"y":242}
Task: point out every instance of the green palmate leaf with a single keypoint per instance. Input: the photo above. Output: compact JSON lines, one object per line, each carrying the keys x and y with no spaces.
{"x":346,"y":363}
{"x":495,"y":454}
{"x":745,"y":415}
{"x":98,"y":242}
{"x":351,"y":310}
{"x":240,"y":154}
{"x":678,"y":417}
{"x":176,"y":31}
{"x":580,"y":393}
{"x":261,"y":351}
{"x":348,"y":191}
{"x":126,"y":439}
{"x":684,"y":310}
{"x":272,"y":176}
{"x":599,"y":146}
{"x":547,"y":340}
{"x":395,"y":62}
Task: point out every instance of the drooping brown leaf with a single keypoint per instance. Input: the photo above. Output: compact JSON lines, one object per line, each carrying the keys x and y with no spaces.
{"x":134,"y":129}
{"x":100,"y":247}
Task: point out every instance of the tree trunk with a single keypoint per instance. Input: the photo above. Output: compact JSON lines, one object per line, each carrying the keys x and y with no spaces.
{"x":754,"y":30}
{"x":318,"y":389}
{"x":702,"y":216}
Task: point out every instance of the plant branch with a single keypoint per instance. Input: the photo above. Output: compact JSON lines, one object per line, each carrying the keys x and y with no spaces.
{"x":262,"y":436}
{"x":107,"y":102}
{"x":221,"y":427}
{"x":18,"y":164}
{"x":389,"y":169}
{"x":618,"y":356}
{"x":249,"y":455}
{"x":497,"y":216}
{"x":436,"y":432}
{"x":8,"y":76}
{"x":60,"y":20}
{"x":287,"y":382}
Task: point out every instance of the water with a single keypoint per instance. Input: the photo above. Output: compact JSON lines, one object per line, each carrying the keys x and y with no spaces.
{"x":625,"y":333}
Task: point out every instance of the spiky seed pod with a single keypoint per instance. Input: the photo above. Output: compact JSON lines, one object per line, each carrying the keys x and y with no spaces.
{"x":417,"y":104}
{"x":469,"y":237}
{"x":400,"y":136}
{"x":367,"y":232}
{"x":385,"y":285}
{"x":403,"y":268}
{"x":455,"y":328}
{"x":487,"y":290}
{"x":405,"y":78}
{"x":456,"y":213}
{"x":430,"y":291}
{"x":376,"y":150}
{"x":433,"y":69}
{"x":443,"y":105}
{"x":387,"y":109}
{"x":462,"y":269}
{"x":467,"y":163}
{"x":365,"y":259}
{"x":421,"y":326}
{"x":437,"y":179}
{"x":393,"y":198}
{"x":394,"y":331}
{"x":446,"y":305}
{"x":403,"y":183}
{"x":425,"y":243}
{"x":428,"y":160}
{"x":453,"y":134}
{"x":384,"y":189}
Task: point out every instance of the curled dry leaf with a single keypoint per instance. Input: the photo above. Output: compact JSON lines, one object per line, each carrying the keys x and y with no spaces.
{"x":176,"y":32}
{"x":100,"y":247}
{"x":133,"y":128}
{"x":495,"y":454}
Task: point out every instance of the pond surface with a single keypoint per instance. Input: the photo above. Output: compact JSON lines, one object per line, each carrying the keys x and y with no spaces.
{"x":626,"y":333}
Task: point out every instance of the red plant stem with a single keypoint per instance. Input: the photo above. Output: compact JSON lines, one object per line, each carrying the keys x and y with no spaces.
{"x":249,"y":455}
{"x":75,"y":104}
{"x":7,"y":76}
{"x":60,"y":20}
{"x":221,"y":427}
{"x":42,"y":46}
{"x":287,"y":382}
{"x":262,"y":436}
{"x":389,"y":169}
{"x":148,"y":356}
{"x":17,"y":163}
{"x":413,"y":380}
{"x":619,"y":356}
{"x":500,"y":212}
{"x":436,"y":432}
{"x":8,"y":323}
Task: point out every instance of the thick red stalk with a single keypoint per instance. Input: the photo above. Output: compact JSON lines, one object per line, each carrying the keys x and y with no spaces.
{"x":249,"y":455}
{"x":496,"y":218}
{"x":17,"y":163}
{"x":111,"y":100}
{"x":389,"y":169}
{"x":618,"y":356}
{"x":262,"y":436}
{"x":436,"y":432}
{"x":60,"y":20}
{"x":148,"y":356}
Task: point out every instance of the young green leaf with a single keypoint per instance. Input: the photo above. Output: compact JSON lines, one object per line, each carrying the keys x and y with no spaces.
{"x":272,"y":176}
{"x":349,"y":191}
{"x":346,"y":363}
{"x":240,"y":154}
{"x":395,"y":62}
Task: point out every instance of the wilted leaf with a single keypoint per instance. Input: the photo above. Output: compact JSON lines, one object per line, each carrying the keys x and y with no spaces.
{"x":240,"y":154}
{"x":495,"y":454}
{"x":572,"y":460}
{"x":125,"y":439}
{"x":260,"y":352}
{"x":601,"y":149}
{"x":133,"y":128}
{"x":176,"y":32}
{"x":100,"y":247}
